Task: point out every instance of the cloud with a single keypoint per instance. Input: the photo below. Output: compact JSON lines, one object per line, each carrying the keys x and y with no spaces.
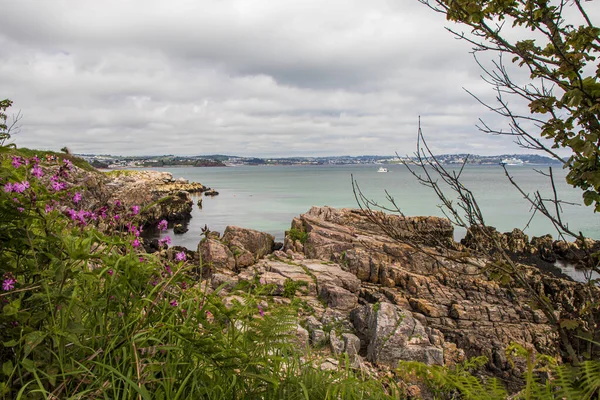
{"x":257,"y":78}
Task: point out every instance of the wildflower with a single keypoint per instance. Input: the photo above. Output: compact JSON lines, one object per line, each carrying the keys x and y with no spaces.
{"x":68,"y":164}
{"x":168,"y":268}
{"x":173,"y":303}
{"x":17,"y":162}
{"x":49,"y":208}
{"x":135,"y":210}
{"x":162,"y":225}
{"x":260,"y":311}
{"x":165,"y":240}
{"x":110,"y":272}
{"x":72,"y":214}
{"x":20,"y":187}
{"x":77,"y":198}
{"x":141,"y":259}
{"x":20,"y":209}
{"x":8,"y":187}
{"x":103,"y":212}
{"x":58,"y":186}
{"x":37,"y":171}
{"x":136,"y":243}
{"x":180,"y":256}
{"x":8,"y":284}
{"x":117,"y":203}
{"x":116,"y":217}
{"x":184,"y":285}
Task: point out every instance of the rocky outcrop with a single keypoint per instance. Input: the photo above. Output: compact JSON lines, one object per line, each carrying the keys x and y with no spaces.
{"x":456,"y":301}
{"x":165,"y":197}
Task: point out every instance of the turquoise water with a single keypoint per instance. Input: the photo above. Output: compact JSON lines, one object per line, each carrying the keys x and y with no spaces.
{"x":266,"y":198}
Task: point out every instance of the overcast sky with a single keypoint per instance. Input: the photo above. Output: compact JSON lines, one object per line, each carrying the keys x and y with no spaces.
{"x":246,"y":77}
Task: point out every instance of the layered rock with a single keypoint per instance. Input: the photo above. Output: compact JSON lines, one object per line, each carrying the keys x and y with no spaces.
{"x":469,"y":310}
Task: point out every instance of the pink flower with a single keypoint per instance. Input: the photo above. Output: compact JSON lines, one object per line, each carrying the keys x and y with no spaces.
{"x":49,"y":208}
{"x":136,"y":243}
{"x":180,"y":256}
{"x":20,"y":209}
{"x":135,"y":210}
{"x":19,"y":187}
{"x":16,"y":162}
{"x":68,"y":164}
{"x":162,"y":225}
{"x":8,"y":187}
{"x":110,"y":272}
{"x":118,"y":203}
{"x":116,"y":217}
{"x":165,"y":240}
{"x":173,"y":303}
{"x":141,"y":259}
{"x":260,"y":311}
{"x":77,"y":198}
{"x":8,"y":284}
{"x":37,"y":171}
{"x":58,"y":186}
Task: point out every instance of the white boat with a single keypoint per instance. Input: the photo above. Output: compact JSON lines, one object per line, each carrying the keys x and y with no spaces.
{"x":381,"y":169}
{"x":511,"y":161}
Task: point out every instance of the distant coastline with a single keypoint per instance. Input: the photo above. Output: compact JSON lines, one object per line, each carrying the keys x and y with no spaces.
{"x":112,"y":162}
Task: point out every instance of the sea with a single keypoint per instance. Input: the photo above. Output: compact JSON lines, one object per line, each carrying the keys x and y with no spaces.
{"x":267,"y":198}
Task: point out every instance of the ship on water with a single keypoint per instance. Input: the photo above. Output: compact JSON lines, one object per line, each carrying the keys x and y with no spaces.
{"x":511,"y":161}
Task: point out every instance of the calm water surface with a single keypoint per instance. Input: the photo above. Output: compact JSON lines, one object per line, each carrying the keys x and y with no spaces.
{"x":266,"y":198}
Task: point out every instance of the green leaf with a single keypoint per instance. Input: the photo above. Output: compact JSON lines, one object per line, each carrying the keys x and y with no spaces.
{"x":28,"y":365}
{"x":7,"y":368}
{"x":569,"y":324}
{"x":32,"y":340}
{"x":10,"y":343}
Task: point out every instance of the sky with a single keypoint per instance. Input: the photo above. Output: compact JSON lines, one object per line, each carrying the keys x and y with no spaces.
{"x":244,"y":77}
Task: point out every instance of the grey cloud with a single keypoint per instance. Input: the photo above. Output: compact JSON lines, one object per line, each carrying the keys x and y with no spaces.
{"x":250,"y":78}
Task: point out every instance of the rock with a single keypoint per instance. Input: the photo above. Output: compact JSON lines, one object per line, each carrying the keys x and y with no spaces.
{"x":394,"y":335}
{"x":543,"y":247}
{"x":218,"y":279}
{"x":259,"y":244}
{"x":312,"y":323}
{"x":335,"y":343}
{"x":317,"y":337}
{"x":351,"y":344}
{"x":211,"y":192}
{"x":302,"y":337}
{"x":215,"y":254}
{"x":330,"y":364}
{"x":517,"y":241}
{"x":179,"y":229}
{"x":338,"y":297}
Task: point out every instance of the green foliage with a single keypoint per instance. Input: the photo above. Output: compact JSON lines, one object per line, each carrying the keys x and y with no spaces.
{"x":290,"y":287}
{"x":296,"y":234}
{"x":559,"y":46}
{"x":446,"y":381}
{"x":47,"y":154}
{"x":544,"y":378}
